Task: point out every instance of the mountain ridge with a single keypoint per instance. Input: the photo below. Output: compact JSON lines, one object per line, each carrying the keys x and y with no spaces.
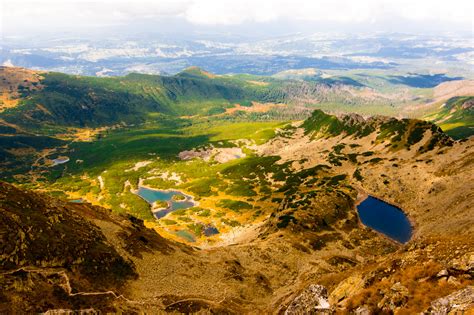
{"x":278,"y":196}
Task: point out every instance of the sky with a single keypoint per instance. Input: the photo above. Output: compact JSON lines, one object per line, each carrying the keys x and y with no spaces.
{"x":241,"y":17}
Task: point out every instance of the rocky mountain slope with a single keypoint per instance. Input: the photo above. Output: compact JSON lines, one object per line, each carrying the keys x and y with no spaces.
{"x":58,"y":255}
{"x":309,"y":253}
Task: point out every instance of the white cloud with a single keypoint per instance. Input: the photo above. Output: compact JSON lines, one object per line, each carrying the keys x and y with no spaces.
{"x":232,"y":12}
{"x":239,"y":11}
{"x":61,"y":13}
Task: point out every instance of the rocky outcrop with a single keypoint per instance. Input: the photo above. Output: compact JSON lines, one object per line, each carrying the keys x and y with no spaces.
{"x":463,"y":265}
{"x":468,"y":105}
{"x":458,"y":302}
{"x":60,"y":255}
{"x":40,"y":232}
{"x":397,"y":296}
{"x":313,"y":300}
{"x":345,"y":289}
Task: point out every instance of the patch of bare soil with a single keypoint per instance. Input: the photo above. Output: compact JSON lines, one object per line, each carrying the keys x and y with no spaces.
{"x":86,"y":134}
{"x":221,"y":155}
{"x":443,"y":92}
{"x":447,"y":90}
{"x":255,"y":108}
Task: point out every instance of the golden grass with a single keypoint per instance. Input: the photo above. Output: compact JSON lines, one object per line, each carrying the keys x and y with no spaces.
{"x":447,"y":127}
{"x":255,"y":108}
{"x":421,"y":282}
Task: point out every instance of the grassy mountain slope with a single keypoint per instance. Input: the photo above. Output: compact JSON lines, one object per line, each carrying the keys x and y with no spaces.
{"x":399,"y":133}
{"x":290,"y":209}
{"x":455,"y":117}
{"x":407,"y":163}
{"x":67,"y":100}
{"x":17,"y":152}
{"x":284,"y":194}
{"x":85,"y":101}
{"x":48,"y":103}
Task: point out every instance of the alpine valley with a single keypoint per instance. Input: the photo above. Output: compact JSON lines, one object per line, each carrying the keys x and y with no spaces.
{"x":304,"y":191}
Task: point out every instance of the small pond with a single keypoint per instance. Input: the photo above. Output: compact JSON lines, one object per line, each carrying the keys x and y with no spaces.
{"x":207,"y":230}
{"x":80,"y":200}
{"x":188,"y":236}
{"x":152,"y":195}
{"x":60,"y":160}
{"x":210,"y":230}
{"x":385,"y":218}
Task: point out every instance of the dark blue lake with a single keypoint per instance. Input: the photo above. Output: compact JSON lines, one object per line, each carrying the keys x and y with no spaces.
{"x":152,"y":195}
{"x":385,"y":218}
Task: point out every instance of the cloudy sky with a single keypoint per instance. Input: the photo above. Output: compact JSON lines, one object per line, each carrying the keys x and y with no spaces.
{"x":419,"y":16}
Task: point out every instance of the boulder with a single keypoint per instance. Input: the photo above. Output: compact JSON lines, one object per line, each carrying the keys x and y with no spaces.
{"x":362,"y":310}
{"x":345,"y":289}
{"x":458,"y":302}
{"x":442,"y":273}
{"x":397,"y":296}
{"x":453,"y":280}
{"x":463,"y":265}
{"x":313,"y":300}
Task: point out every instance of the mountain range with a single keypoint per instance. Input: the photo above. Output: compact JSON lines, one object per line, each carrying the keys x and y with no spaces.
{"x":212,"y":193}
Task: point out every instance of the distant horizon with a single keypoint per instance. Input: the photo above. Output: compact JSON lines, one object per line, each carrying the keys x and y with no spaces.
{"x":232,"y":18}
{"x":262,"y":37}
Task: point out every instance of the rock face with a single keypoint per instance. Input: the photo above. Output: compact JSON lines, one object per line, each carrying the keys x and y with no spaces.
{"x":458,"y":302}
{"x":468,"y":105}
{"x":55,"y":255}
{"x":39,"y":232}
{"x":313,"y":300}
{"x":464,"y":265}
{"x":345,"y":289}
{"x":393,"y":298}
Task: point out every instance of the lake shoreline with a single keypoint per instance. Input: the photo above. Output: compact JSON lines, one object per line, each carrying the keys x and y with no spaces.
{"x":188,"y":198}
{"x":363,"y":195}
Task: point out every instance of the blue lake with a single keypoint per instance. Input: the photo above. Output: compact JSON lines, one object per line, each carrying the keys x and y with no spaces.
{"x":80,"y":200}
{"x":59,"y":161}
{"x":385,"y":218}
{"x":152,"y":195}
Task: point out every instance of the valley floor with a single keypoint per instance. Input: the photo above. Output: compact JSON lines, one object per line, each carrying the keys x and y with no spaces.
{"x":285,"y":211}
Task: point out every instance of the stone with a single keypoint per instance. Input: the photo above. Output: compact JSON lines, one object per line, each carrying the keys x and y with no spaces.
{"x":398,"y":287}
{"x":442,"y":273}
{"x":313,"y":300}
{"x":397,"y":296}
{"x":362,"y":310}
{"x":464,"y":264}
{"x":345,"y":289}
{"x":458,"y":302}
{"x":452,"y":280}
